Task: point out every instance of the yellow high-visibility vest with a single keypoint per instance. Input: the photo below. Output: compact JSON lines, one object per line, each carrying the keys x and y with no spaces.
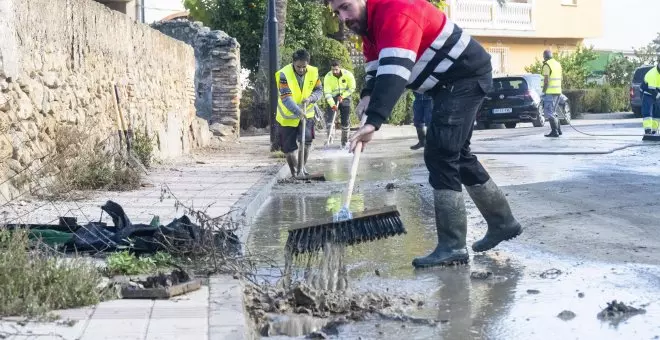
{"x":652,"y":79}
{"x":284,"y":116}
{"x":343,"y":86}
{"x":554,"y":79}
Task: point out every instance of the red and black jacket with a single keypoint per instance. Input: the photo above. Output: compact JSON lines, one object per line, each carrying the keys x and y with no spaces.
{"x":412,"y":44}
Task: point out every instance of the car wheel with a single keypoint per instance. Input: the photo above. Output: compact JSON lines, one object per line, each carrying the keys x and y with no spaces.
{"x":637,"y":111}
{"x":482,"y":126}
{"x":565,"y":114}
{"x":510,"y":125}
{"x":540,"y":120}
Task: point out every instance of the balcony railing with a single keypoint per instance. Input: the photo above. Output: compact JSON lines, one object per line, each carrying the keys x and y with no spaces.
{"x":488,"y":14}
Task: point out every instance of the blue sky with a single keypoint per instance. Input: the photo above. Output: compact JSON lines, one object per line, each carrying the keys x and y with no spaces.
{"x":157,"y":9}
{"x":628,"y":24}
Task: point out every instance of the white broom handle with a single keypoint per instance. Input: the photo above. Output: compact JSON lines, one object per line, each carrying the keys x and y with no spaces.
{"x":354,"y":167}
{"x":332,"y":124}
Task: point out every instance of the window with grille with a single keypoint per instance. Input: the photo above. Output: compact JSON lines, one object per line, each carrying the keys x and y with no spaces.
{"x":499,"y":58}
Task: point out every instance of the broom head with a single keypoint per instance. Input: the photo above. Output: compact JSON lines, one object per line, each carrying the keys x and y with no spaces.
{"x":655,"y":138}
{"x":366,"y":226}
{"x":317,"y":176}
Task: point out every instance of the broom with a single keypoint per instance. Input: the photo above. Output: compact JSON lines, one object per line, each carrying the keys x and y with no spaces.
{"x":127,"y":132}
{"x":331,"y":131}
{"x":345,"y":227}
{"x":318,"y":176}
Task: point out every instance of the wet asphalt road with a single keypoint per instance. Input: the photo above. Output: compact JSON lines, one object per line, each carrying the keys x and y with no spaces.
{"x":590,"y":219}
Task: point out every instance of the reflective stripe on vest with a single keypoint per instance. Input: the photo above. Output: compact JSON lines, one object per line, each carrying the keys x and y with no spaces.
{"x":649,"y":123}
{"x":284,"y":116}
{"x":554,"y":80}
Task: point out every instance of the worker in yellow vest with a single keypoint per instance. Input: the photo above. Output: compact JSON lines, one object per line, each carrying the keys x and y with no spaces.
{"x":338,"y":86}
{"x":651,"y":100}
{"x":552,"y":77}
{"x":300,"y":88}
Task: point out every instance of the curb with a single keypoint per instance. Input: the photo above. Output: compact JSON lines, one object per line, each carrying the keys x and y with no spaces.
{"x":247,"y":207}
{"x":228,"y":318}
{"x":607,"y":116}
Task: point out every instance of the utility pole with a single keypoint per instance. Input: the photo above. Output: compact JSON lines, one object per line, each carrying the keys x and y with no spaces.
{"x":142,"y":11}
{"x":273,"y":66}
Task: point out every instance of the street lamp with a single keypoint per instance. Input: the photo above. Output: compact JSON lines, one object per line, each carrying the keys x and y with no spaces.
{"x":273,"y":61}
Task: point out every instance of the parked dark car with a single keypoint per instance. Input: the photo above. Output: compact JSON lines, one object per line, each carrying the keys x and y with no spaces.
{"x":517,"y":99}
{"x":635,"y":92}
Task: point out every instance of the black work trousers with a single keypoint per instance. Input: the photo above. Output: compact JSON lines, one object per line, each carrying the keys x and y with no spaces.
{"x":344,"y":112}
{"x":447,"y":153}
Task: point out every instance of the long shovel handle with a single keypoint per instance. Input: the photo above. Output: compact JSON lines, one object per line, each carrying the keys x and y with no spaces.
{"x":301,"y":152}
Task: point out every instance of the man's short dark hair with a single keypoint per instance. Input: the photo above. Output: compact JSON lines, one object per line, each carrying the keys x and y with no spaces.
{"x":334,"y":63}
{"x":301,"y":55}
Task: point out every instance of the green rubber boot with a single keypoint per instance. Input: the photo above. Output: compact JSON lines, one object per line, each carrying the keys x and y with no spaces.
{"x":494,"y":207}
{"x":451,"y":226}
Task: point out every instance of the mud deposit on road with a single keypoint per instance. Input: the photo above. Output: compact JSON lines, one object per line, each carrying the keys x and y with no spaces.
{"x":616,"y":312}
{"x":302,"y":310}
{"x":571,"y":257}
{"x":320,"y":300}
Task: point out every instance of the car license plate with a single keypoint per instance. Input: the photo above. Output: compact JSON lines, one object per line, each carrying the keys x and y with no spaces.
{"x":507,"y":110}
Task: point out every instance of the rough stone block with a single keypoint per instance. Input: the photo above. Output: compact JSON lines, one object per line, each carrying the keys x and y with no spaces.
{"x":56,"y":76}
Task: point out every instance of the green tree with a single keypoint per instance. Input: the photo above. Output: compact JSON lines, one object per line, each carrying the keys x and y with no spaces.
{"x":648,"y":55}
{"x":574,"y":66}
{"x":241,"y":19}
{"x":619,"y":71}
{"x":201,"y":10}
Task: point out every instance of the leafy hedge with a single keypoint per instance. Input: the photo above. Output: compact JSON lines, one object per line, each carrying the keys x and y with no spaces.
{"x":603,"y":99}
{"x":402,"y":112}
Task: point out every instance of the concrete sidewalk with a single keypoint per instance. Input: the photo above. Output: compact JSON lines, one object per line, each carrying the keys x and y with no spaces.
{"x":234,"y":179}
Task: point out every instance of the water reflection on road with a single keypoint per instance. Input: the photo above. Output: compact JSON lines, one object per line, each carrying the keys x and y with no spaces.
{"x":514,"y":303}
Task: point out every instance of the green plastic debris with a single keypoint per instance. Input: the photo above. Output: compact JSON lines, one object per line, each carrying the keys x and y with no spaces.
{"x":155,"y":222}
{"x":50,"y":237}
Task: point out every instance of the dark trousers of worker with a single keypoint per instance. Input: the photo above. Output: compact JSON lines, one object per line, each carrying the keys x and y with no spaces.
{"x":650,"y":113}
{"x":422,"y":111}
{"x":344,"y":113}
{"x":447,"y":153}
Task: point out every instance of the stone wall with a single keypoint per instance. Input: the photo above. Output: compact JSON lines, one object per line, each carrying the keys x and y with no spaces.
{"x":217,"y":75}
{"x":59,"y":60}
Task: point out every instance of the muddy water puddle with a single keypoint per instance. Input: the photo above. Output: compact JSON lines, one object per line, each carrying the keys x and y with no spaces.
{"x":515,"y":292}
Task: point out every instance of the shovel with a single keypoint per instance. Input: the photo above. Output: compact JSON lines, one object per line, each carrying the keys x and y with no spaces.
{"x":301,"y":154}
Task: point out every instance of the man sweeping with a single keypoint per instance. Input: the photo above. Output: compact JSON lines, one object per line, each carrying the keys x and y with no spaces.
{"x":300,"y":88}
{"x":338,"y":86}
{"x":411,"y":43}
